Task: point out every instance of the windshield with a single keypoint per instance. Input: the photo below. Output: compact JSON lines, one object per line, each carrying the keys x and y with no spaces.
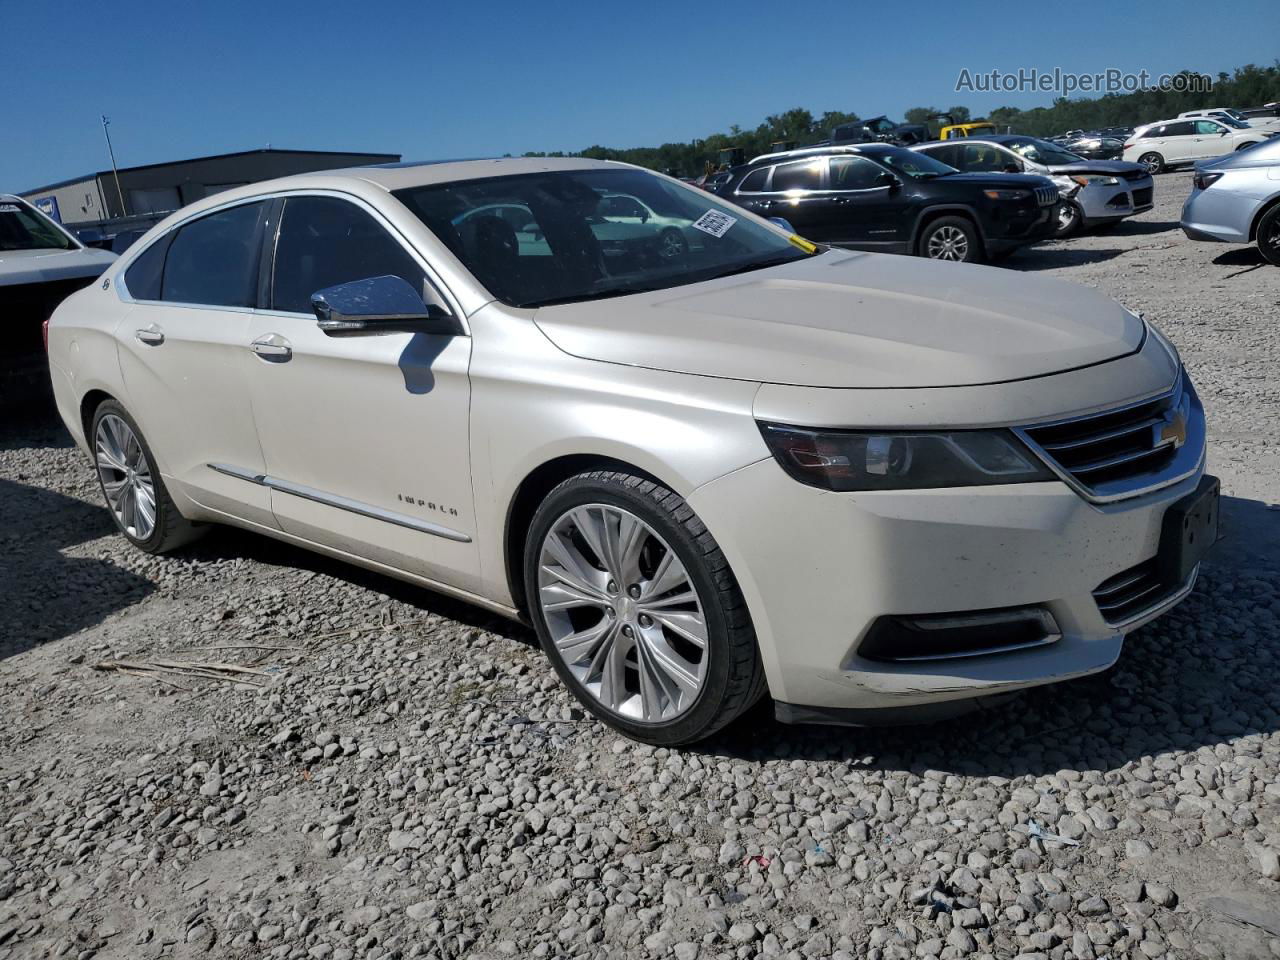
{"x":561,"y":236}
{"x":918,"y":166}
{"x":1042,"y":151}
{"x":1230,"y":121}
{"x":22,"y":228}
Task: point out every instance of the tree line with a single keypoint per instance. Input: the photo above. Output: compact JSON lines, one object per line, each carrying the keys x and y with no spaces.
{"x":1248,"y":86}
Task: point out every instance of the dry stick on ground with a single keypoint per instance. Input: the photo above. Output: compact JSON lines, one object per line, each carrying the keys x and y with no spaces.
{"x":226,"y":672}
{"x":236,"y":646}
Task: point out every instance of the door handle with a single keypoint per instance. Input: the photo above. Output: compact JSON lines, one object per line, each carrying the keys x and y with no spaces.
{"x":272,"y":347}
{"x":151,"y":335}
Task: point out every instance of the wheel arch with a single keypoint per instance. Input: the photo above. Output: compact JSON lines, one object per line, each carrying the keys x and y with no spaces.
{"x":1263,"y":209}
{"x":88,"y":404}
{"x":929,"y":214}
{"x":532,"y":490}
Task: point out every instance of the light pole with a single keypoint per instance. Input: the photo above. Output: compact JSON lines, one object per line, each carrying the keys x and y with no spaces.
{"x":116,"y":173}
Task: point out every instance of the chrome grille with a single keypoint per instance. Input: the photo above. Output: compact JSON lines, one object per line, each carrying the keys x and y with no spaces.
{"x":1046,"y":195}
{"x":1133,"y":592}
{"x":1129,"y":450}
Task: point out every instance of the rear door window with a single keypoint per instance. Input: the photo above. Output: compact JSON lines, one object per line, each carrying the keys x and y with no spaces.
{"x":801,"y":175}
{"x":755,"y":182}
{"x":325,"y":241}
{"x":214,"y":260}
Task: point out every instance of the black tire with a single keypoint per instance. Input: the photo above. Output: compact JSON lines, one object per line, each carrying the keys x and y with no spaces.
{"x":932,"y":238}
{"x":1268,"y":236}
{"x":1069,"y":220}
{"x":734,"y":675}
{"x":1153,"y":162}
{"x":171,"y":529}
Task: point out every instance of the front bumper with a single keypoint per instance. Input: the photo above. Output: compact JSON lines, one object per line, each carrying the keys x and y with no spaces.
{"x":1100,"y":203}
{"x":818,"y":569}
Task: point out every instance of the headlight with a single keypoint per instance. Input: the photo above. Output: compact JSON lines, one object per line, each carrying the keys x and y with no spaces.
{"x":1007,"y":194}
{"x":1085,"y":181}
{"x":901,"y":460}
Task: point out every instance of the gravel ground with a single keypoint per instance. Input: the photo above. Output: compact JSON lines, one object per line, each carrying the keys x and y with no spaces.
{"x":410,"y":779}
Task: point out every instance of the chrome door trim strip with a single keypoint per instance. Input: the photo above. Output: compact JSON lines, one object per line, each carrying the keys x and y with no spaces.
{"x":341,"y":503}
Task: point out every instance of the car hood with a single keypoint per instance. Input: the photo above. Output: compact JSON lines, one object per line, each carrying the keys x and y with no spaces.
{"x":1115,"y":168}
{"x":45,"y":266}
{"x":854,"y":320}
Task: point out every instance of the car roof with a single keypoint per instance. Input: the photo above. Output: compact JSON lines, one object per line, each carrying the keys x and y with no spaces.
{"x":398,"y":176}
{"x":1000,"y":138}
{"x":801,"y":153}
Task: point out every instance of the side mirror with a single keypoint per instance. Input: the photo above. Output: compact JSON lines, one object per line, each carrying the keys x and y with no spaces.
{"x":887,"y":179}
{"x":782,"y":222}
{"x":379,"y":305}
{"x":1012,"y":168}
{"x":91,"y":237}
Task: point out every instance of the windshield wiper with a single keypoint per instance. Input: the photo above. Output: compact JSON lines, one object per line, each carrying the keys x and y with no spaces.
{"x":754,"y":265}
{"x":582,"y":297}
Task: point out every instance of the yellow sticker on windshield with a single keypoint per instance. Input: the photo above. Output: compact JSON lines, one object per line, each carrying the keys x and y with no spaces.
{"x":803,"y":244}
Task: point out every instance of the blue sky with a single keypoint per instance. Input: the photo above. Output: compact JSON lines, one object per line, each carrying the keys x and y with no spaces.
{"x":481,"y":79}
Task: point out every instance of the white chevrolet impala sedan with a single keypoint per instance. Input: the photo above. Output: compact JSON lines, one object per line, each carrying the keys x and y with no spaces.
{"x":875,"y":488}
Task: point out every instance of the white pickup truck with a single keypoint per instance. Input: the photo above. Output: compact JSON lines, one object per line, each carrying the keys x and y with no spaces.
{"x":41,"y":264}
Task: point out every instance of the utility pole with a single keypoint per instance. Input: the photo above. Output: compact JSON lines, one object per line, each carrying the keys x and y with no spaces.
{"x":116,"y":173}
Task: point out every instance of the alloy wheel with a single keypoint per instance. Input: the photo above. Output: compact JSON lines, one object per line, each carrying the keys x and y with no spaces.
{"x":623,"y":613}
{"x":1067,"y":216}
{"x":671,"y":245}
{"x":948,"y":243}
{"x":126,"y":477}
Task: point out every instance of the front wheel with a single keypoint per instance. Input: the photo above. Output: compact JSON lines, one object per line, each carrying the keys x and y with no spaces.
{"x":1153,"y":162}
{"x":951,"y":238}
{"x":1068,"y":220}
{"x":131,"y":484}
{"x":1269,"y":236}
{"x":636,"y":607}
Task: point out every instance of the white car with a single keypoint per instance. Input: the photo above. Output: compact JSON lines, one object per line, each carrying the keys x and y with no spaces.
{"x":1236,"y":118}
{"x":40,"y":264}
{"x":871,"y":486}
{"x":1174,"y":143}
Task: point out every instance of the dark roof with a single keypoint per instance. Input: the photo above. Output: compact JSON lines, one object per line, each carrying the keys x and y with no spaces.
{"x":388,"y":157}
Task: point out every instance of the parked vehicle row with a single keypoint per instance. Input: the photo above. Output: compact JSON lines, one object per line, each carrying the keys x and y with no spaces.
{"x":1093,"y":193}
{"x":875,"y":488}
{"x":890,"y":199}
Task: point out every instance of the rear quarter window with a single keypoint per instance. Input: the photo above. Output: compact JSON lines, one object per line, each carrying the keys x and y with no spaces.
{"x":143,"y":277}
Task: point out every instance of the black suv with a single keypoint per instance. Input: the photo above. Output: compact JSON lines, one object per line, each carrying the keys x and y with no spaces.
{"x":889,"y":199}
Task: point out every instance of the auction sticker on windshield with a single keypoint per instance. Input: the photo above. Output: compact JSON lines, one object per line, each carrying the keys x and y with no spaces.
{"x":715,"y":223}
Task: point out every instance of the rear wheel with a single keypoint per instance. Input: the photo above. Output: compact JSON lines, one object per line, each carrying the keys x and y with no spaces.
{"x":1269,"y":236}
{"x":951,"y":238}
{"x":132,"y":486}
{"x":672,"y":244}
{"x":1152,"y":161}
{"x":636,"y":607}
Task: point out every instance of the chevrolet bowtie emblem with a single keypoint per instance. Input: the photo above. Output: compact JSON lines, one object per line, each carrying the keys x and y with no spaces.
{"x":1171,"y":430}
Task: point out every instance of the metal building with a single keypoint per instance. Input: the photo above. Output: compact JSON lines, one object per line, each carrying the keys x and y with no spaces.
{"x":157,"y":188}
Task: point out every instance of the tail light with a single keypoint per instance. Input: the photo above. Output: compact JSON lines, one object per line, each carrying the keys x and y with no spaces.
{"x":44,"y":330}
{"x":1203,"y":179}
{"x":1128,"y":144}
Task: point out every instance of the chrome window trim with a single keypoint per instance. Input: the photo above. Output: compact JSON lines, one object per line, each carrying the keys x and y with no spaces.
{"x":433,"y":277}
{"x":340,"y":502}
{"x":1129,"y":492}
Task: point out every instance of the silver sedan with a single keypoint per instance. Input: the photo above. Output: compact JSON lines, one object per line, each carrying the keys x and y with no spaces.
{"x":1236,"y":199}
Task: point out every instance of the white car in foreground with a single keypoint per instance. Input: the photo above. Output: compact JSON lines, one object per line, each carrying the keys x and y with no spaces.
{"x":875,"y":487}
